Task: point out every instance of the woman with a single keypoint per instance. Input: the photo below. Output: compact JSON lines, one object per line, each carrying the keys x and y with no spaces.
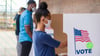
{"x":44,"y":44}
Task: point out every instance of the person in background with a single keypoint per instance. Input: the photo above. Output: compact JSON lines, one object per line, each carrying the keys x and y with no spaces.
{"x":17,"y":18}
{"x":26,"y":29}
{"x":44,"y":44}
{"x":19,"y":13}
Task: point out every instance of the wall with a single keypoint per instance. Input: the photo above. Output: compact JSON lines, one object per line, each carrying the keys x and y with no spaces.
{"x":73,"y":6}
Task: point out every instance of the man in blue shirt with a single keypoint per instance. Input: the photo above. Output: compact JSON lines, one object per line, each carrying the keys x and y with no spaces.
{"x":44,"y":44}
{"x":26,"y":28}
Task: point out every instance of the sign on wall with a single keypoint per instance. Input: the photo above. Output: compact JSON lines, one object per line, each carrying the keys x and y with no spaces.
{"x":83,"y":32}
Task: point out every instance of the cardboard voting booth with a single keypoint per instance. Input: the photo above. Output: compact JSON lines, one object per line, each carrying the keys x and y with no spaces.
{"x":57,"y":25}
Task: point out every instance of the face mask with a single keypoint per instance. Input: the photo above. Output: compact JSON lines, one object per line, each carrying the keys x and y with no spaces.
{"x":33,"y":9}
{"x":48,"y":24}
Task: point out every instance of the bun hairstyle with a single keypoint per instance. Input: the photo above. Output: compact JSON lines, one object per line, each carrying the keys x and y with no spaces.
{"x":43,"y":5}
{"x":42,"y":11}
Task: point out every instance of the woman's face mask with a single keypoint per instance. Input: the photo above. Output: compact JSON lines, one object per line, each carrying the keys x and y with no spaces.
{"x":48,"y":24}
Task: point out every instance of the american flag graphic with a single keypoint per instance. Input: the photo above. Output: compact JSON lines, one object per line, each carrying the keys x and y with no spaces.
{"x":81,"y":35}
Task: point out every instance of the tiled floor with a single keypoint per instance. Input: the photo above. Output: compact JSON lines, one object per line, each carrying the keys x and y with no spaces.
{"x":7,"y":43}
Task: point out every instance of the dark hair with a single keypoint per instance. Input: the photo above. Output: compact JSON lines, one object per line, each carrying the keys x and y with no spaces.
{"x":22,"y":8}
{"x":42,"y":11}
{"x":31,"y":2}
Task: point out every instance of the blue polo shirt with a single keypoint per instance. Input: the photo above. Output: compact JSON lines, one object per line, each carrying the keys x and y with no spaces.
{"x":25,"y":20}
{"x":44,"y":44}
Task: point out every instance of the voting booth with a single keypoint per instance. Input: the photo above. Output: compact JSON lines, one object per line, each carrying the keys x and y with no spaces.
{"x":81,"y":31}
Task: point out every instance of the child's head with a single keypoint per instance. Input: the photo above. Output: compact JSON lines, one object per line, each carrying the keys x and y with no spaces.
{"x":42,"y":14}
